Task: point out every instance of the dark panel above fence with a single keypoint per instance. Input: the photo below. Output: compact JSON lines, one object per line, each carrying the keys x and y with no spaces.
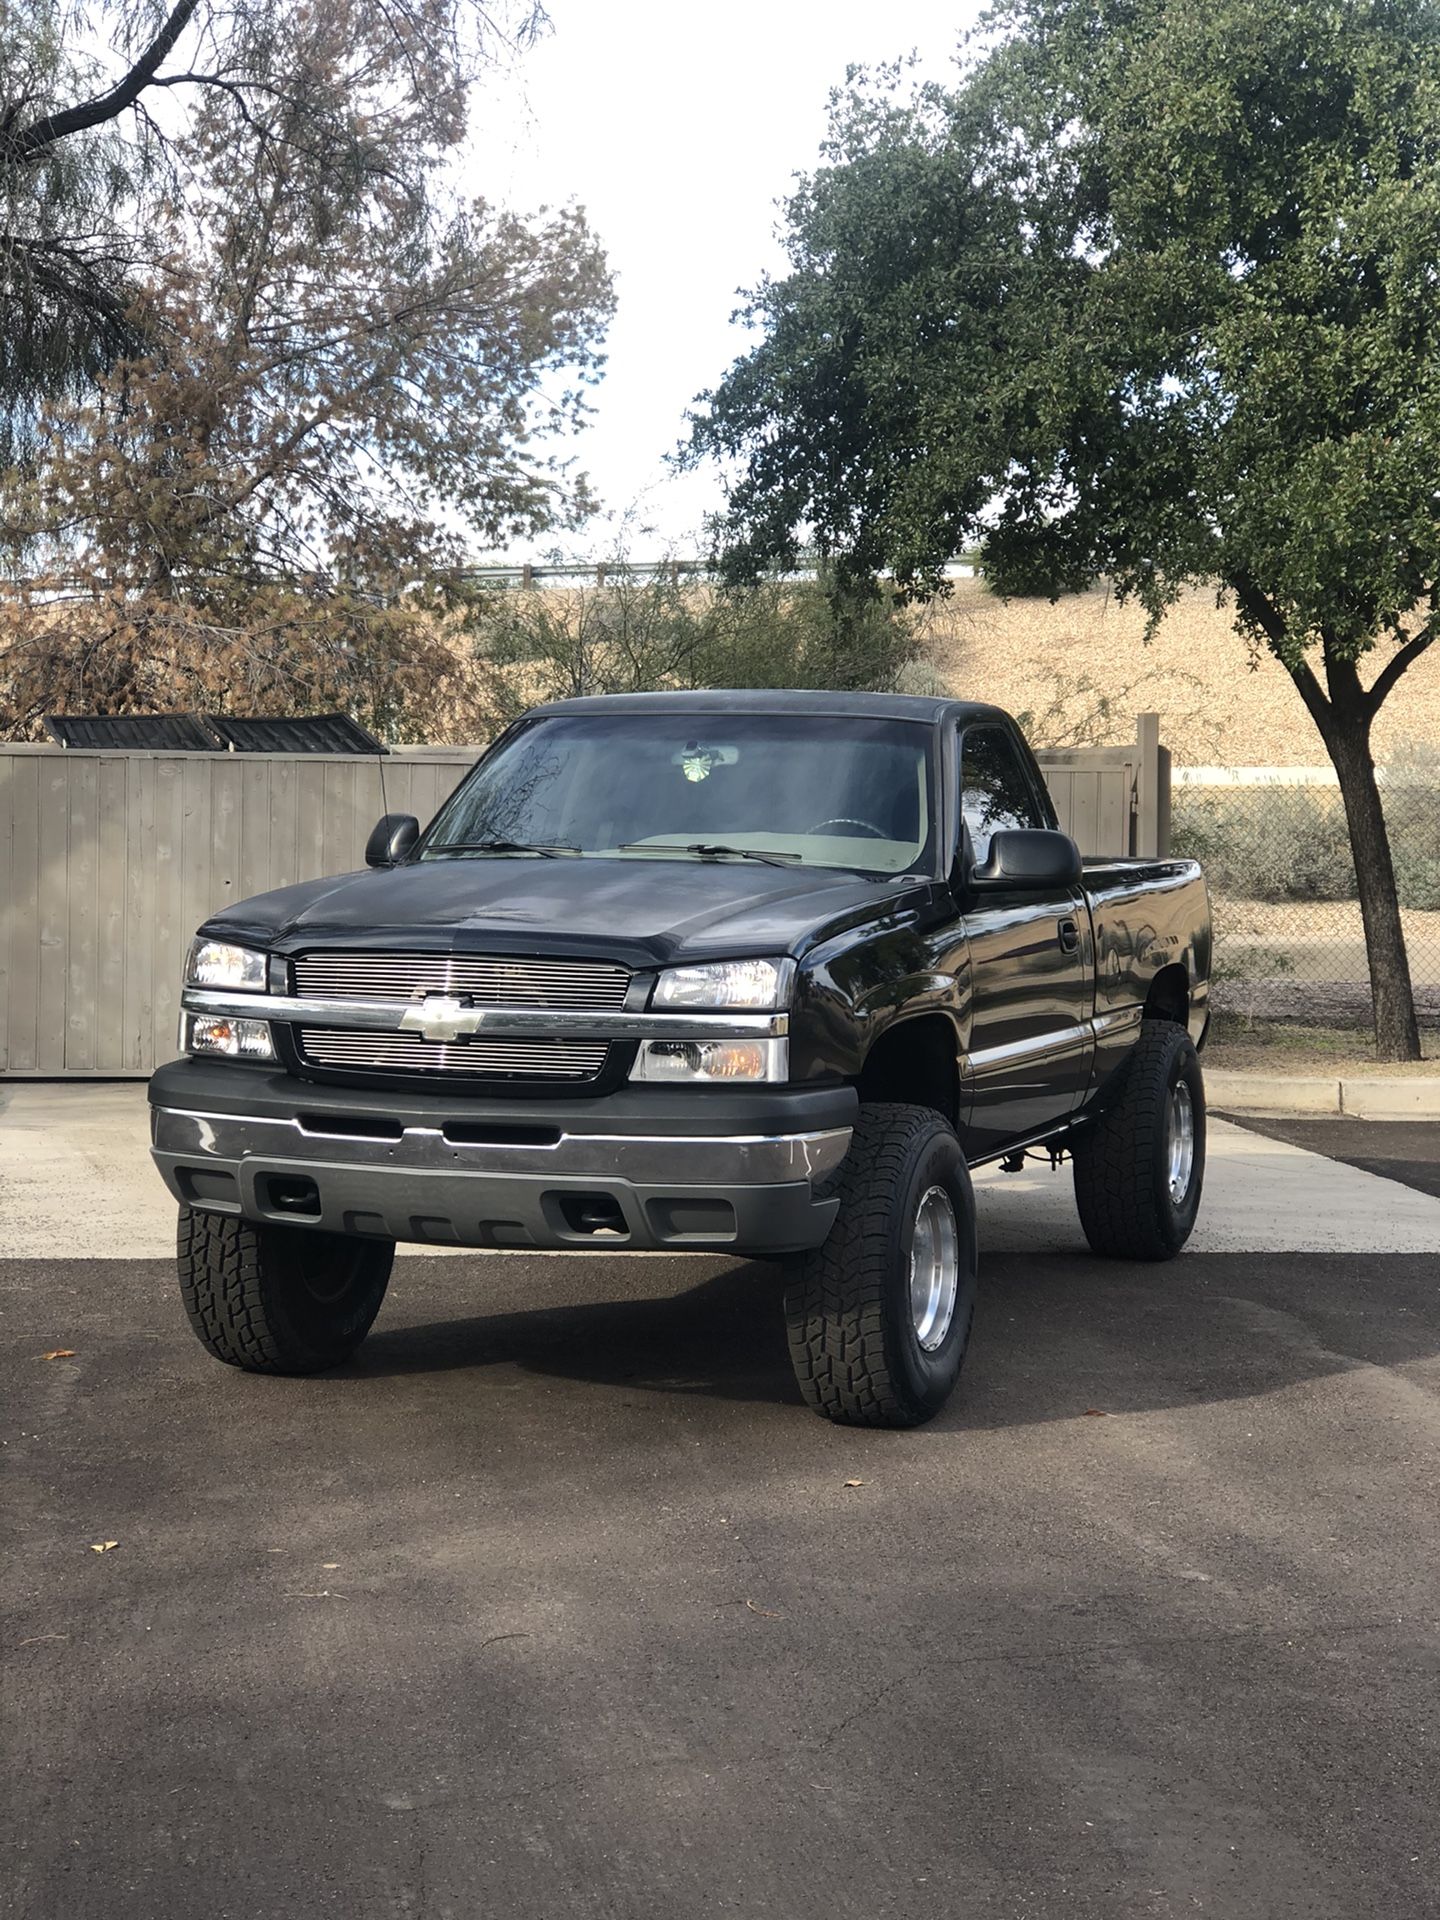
{"x":302,"y":733}
{"x":212,"y":733}
{"x":151,"y":732}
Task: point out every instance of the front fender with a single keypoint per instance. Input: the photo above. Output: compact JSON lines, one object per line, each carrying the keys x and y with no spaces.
{"x":854,"y":991}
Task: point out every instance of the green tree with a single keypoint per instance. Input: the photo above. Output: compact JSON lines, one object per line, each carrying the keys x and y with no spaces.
{"x":1151,"y":295}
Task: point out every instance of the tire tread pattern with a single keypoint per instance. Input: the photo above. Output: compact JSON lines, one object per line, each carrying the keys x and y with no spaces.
{"x":835,"y":1297}
{"x":231,"y":1292}
{"x":1123,"y":1203}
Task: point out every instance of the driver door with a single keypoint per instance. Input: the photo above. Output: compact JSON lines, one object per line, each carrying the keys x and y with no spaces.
{"x":1031,"y":1042}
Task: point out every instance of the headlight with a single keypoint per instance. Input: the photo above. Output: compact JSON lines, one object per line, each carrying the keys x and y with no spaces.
{"x":213,"y":963}
{"x":741,"y":986}
{"x":234,"y":1039}
{"x":694,"y":1061}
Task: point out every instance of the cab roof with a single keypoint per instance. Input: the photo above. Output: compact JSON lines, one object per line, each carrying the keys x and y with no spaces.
{"x":930,"y":709}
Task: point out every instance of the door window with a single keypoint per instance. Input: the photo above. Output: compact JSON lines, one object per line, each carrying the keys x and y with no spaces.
{"x":996,"y":792}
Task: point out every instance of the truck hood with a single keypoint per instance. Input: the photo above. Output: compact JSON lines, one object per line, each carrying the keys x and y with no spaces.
{"x":642,"y":911}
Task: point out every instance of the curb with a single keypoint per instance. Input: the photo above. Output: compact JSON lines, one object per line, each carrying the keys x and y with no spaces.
{"x":1372,"y":1097}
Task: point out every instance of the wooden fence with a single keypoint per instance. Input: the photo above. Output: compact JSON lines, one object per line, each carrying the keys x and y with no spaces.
{"x":1114,"y":799}
{"x":109,"y":861}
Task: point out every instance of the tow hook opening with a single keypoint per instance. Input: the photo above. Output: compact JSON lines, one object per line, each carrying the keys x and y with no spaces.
{"x":593,"y":1213}
{"x":292,"y":1194}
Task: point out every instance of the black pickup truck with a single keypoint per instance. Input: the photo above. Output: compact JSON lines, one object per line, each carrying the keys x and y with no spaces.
{"x":760,"y":973}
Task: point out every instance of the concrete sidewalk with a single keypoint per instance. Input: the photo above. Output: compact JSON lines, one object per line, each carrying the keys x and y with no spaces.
{"x":76,"y":1182}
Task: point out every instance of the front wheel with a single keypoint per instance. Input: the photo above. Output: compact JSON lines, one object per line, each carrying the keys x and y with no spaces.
{"x":879,"y":1317}
{"x":1140,"y":1166}
{"x":278,"y":1299}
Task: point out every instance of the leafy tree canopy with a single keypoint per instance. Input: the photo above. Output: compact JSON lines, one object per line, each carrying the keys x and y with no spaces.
{"x":95,"y":104}
{"x":1150,"y":294}
{"x":1155,"y":291}
{"x":333,"y":359}
{"x":299,"y":374}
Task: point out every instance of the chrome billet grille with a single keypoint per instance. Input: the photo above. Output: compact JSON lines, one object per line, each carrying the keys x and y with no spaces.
{"x":411,"y":1053}
{"x":580,"y":986}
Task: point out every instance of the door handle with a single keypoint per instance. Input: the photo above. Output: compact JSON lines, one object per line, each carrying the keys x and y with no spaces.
{"x":1069,"y":935}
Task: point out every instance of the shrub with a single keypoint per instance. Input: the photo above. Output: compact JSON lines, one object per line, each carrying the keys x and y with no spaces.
{"x":643,"y":631}
{"x":1417,"y":878}
{"x":1266,"y":843}
{"x":1290,"y":843}
{"x":1411,"y":795}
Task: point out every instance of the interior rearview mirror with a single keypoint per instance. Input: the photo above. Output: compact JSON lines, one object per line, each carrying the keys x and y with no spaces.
{"x":392,"y":839}
{"x":1027,"y":857}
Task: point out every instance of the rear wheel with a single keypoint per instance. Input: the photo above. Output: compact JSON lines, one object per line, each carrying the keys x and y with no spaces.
{"x":278,"y":1299}
{"x":879,"y":1317}
{"x":1140,"y":1166}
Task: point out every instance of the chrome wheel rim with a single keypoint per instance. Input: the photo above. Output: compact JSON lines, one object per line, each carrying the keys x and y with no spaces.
{"x":1181,"y":1142}
{"x":934,"y":1268}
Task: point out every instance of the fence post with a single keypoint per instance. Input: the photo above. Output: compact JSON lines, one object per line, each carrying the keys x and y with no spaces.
{"x":1152,"y":789}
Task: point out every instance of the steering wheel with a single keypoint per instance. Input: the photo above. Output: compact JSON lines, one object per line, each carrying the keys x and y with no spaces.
{"x":844,"y":820}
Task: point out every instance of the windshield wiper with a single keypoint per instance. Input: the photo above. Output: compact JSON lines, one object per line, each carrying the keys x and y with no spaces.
{"x":500,"y":846}
{"x":771,"y":858}
{"x":708,"y":850}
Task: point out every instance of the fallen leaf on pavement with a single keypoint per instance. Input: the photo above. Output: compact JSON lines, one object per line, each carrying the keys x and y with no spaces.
{"x":103,"y":1546}
{"x":857,"y":1483}
{"x":59,"y":1353}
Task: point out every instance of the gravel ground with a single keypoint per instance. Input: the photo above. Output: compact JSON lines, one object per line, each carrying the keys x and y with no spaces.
{"x":1345,"y":1002}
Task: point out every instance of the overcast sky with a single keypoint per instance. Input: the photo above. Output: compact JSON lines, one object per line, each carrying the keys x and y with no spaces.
{"x":678,"y":127}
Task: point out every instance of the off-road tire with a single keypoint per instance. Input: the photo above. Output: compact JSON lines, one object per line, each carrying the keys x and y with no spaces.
{"x":853,"y":1340}
{"x":278,"y":1299}
{"x":1122,"y":1159}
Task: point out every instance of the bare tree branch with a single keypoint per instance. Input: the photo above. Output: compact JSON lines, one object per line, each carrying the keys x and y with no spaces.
{"x":106,"y":106}
{"x":1397,"y":663}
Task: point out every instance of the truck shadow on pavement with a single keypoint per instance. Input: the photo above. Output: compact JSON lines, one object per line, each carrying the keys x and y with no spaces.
{"x":1056,"y":1336}
{"x":724,"y":1336}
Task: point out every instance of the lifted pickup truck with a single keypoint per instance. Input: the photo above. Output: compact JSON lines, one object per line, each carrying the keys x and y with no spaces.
{"x":759,"y":973}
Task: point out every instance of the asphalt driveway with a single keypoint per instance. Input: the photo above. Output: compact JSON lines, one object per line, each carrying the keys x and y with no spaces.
{"x":557,"y":1603}
{"x":1399,"y":1150}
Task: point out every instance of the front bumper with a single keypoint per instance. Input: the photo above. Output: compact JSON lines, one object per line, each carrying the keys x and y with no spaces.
{"x":703,"y":1169}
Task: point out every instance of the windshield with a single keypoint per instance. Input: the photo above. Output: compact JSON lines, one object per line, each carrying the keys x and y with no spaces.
{"x":805,"y":790}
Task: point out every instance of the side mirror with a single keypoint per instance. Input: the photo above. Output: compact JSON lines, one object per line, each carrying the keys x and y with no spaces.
{"x":392,"y":840}
{"x":1027,"y":858}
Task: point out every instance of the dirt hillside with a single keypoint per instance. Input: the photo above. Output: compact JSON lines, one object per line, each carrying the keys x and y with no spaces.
{"x":1080,"y":669}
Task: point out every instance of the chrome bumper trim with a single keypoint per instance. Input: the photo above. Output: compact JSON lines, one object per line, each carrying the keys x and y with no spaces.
{"x":641,"y":1159}
{"x":401,"y":1016}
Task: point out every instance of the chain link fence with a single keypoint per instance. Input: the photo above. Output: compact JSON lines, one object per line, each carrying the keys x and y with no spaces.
{"x":1289,"y":944}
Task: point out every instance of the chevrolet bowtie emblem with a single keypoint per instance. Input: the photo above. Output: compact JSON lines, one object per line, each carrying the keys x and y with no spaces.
{"x":440,"y":1017}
